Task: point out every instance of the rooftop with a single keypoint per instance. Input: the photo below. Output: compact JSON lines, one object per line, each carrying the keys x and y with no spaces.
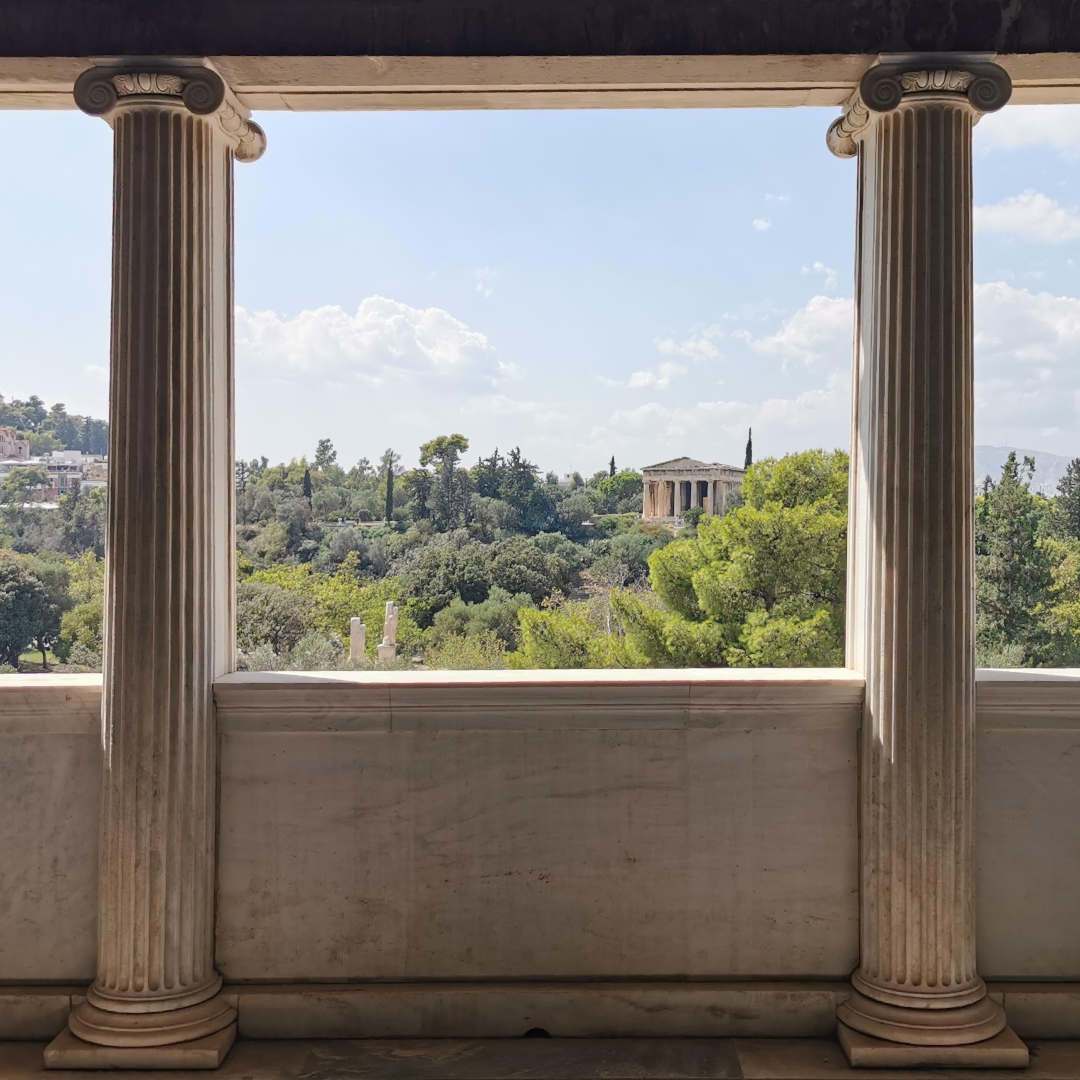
{"x":690,"y":464}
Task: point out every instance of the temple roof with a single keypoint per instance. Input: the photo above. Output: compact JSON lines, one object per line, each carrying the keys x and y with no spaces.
{"x":688,"y":464}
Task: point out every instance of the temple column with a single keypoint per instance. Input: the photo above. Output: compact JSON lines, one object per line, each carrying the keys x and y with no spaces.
{"x":917,"y":998}
{"x":156,"y":1000}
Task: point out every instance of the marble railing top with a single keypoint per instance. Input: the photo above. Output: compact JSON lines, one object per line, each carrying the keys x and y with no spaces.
{"x":750,"y":699}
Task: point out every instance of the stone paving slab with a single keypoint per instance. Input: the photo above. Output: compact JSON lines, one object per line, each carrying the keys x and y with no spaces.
{"x":545,"y":1059}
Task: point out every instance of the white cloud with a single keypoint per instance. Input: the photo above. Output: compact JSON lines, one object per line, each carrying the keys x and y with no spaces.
{"x":819,"y":331}
{"x":700,"y":346}
{"x":1030,"y":216}
{"x":773,"y":197}
{"x":539,"y":414}
{"x":827,"y":273}
{"x":815,"y":417}
{"x":762,"y":224}
{"x":383,"y":341}
{"x":484,"y":281}
{"x":1022,"y":126}
{"x":98,"y":372}
{"x":1027,"y":379}
{"x":659,"y":378}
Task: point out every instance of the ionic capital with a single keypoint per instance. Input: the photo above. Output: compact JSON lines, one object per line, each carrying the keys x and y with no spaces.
{"x":902,"y":81}
{"x":105,"y":90}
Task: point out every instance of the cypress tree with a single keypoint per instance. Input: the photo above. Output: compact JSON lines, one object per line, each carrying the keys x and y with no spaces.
{"x":611,"y":466}
{"x":749,"y":448}
{"x":307,"y":486}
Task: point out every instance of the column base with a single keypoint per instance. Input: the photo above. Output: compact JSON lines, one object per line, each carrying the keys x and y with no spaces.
{"x":169,"y":1027}
{"x":1005,"y":1050}
{"x":921,"y":1023}
{"x":67,"y":1051}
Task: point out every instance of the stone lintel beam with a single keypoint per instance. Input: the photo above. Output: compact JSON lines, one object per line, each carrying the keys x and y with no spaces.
{"x":897,"y":80}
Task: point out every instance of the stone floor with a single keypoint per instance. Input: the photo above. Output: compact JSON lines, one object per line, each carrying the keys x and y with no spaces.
{"x":547,"y":1059}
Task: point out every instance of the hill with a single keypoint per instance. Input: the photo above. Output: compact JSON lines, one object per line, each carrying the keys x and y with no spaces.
{"x":1049,"y":468}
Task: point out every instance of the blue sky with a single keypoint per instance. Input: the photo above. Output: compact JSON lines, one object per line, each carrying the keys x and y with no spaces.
{"x":643,"y":283}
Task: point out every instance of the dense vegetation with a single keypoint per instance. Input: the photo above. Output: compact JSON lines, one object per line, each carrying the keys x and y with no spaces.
{"x":495,"y":565}
{"x":53,"y":428}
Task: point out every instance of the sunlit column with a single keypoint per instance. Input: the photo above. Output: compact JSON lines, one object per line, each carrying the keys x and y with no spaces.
{"x":169,"y":625}
{"x":917,"y":997}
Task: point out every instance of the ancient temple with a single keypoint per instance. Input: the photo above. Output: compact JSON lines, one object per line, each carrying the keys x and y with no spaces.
{"x":673,"y":487}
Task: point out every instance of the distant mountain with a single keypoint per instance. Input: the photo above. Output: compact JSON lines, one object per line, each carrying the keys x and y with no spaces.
{"x":1049,"y":468}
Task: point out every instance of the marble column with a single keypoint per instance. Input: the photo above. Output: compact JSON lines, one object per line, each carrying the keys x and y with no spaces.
{"x":917,"y":998}
{"x":156,"y":1000}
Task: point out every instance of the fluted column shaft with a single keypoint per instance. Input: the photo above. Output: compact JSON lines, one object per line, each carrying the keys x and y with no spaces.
{"x":911,"y":557}
{"x":169,"y":626}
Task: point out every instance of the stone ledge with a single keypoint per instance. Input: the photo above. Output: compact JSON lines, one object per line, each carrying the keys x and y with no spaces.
{"x":566,"y":1009}
{"x":747,"y":1009}
{"x":1041,"y":1010}
{"x":1003,"y":1051}
{"x":67,"y":1052}
{"x":35,"y":1012}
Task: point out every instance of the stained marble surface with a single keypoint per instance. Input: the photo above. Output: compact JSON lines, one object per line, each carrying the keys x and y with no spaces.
{"x":707,"y":851}
{"x":546,"y":1059}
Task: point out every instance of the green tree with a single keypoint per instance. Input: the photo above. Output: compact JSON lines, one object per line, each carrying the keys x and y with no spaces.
{"x":340,"y":596}
{"x":611,"y":466}
{"x":23,"y":598}
{"x":49,"y":603}
{"x":1063,"y":613}
{"x":18,"y":491}
{"x":325,"y":455}
{"x":569,"y":636}
{"x":1012,"y":569}
{"x":748,"y":459}
{"x":1068,"y":501}
{"x":93,"y":437}
{"x":450,"y":496}
{"x":389,"y":462}
{"x":487,"y":475}
{"x":81,"y":626}
{"x":270,"y":614}
{"x":305,"y":486}
{"x":82,"y":521}
{"x":449,"y":567}
{"x":620,"y":492}
{"x":497,"y":614}
{"x":35,"y":412}
{"x":419,"y":487}
{"x":478,"y":650}
{"x":761,"y":586}
{"x":22,"y":484}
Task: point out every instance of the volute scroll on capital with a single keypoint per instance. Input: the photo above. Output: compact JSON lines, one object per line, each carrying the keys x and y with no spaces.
{"x":101,"y":91}
{"x":976,"y":82}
